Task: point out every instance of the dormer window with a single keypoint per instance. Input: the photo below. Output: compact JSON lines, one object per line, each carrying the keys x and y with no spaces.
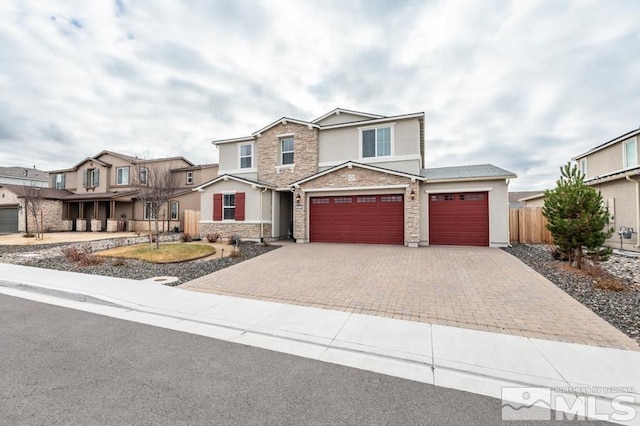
{"x":630,"y":157}
{"x":59,"y":181}
{"x":376,"y":142}
{"x":90,"y":178}
{"x":286,"y":150}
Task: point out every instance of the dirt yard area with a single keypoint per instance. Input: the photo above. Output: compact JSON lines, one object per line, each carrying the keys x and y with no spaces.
{"x":61,"y":237}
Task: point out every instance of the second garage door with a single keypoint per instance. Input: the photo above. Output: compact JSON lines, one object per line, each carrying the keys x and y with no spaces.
{"x":8,"y":220}
{"x":367,"y":219}
{"x":459,"y":219}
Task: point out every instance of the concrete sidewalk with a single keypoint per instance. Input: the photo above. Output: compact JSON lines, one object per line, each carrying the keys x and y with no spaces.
{"x":470,"y":360}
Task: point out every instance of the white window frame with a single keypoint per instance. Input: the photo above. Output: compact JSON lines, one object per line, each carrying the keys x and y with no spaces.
{"x":146,"y":211}
{"x":283,"y":152}
{"x":189,"y":178}
{"x":118,"y":169}
{"x":59,"y":181}
{"x":582,"y":165}
{"x":225,"y":207}
{"x":240,"y":157}
{"x":91,"y":177}
{"x":361,"y":130}
{"x":144,"y":172}
{"x":625,"y":159}
{"x":177,"y":210}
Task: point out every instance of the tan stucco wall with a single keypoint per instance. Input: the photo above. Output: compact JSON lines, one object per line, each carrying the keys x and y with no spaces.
{"x":354,"y":181}
{"x":343,"y":144}
{"x":252,"y":209}
{"x":498,"y":207}
{"x":536,"y":202}
{"x":620,"y":197}
{"x":609,"y":159}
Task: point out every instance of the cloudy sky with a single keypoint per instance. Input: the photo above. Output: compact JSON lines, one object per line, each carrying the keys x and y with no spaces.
{"x":525,"y":85}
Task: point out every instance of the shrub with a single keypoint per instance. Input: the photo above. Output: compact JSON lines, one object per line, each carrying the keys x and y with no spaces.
{"x":234,"y":240}
{"x":212,"y":238}
{"x":82,"y":257}
{"x":235,"y":253}
{"x":610,"y":284}
{"x":29,"y":235}
{"x":185,"y":238}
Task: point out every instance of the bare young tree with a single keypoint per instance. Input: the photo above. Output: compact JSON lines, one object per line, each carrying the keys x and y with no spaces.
{"x":32,"y":197}
{"x":157,"y":185}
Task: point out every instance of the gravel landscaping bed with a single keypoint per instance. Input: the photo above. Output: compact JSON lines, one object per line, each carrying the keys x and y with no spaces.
{"x":50,"y":256}
{"x":620,"y":309}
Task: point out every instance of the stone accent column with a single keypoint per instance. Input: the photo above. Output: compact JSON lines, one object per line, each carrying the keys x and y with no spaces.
{"x":112,"y":225}
{"x":81,"y":225}
{"x":300,"y":217}
{"x":412,"y":215}
{"x":96,"y":225}
{"x":67,"y":224}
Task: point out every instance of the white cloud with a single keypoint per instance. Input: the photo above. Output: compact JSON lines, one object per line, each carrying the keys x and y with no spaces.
{"x":525,"y":84}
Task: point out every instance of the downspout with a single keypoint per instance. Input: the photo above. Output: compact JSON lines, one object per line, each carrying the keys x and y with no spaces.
{"x":508,"y":181}
{"x":636,"y":245}
{"x":261,"y":221}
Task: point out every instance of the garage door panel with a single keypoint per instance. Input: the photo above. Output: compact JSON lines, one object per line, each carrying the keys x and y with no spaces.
{"x":459,"y":219}
{"x":8,"y":220}
{"x":367,"y":219}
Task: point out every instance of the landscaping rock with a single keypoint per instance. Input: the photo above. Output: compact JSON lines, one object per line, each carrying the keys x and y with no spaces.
{"x":620,"y":309}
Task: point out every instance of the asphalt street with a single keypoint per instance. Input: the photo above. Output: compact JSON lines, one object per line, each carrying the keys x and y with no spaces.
{"x":62,"y":366}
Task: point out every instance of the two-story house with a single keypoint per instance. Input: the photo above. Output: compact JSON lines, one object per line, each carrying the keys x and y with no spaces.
{"x":613,"y":169}
{"x":351,"y":177}
{"x":105,"y":192}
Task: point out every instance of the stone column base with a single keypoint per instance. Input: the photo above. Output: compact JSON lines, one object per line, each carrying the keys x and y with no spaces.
{"x":67,"y":225}
{"x":81,"y":225}
{"x":96,"y":225}
{"x":112,"y":225}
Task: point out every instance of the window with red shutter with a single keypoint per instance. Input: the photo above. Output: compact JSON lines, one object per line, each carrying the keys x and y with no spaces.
{"x":239,"y":205}
{"x":217,"y":206}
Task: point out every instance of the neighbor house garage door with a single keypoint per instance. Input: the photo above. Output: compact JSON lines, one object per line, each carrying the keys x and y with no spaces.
{"x":367,"y":219}
{"x":8,"y":220}
{"x":459,"y":219}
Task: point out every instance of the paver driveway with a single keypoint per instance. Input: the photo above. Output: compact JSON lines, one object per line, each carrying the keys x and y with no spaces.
{"x":470,"y":287}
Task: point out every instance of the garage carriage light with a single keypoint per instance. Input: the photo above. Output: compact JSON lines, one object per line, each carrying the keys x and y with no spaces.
{"x":412,"y":194}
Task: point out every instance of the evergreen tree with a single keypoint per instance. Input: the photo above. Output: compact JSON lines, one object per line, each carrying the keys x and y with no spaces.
{"x":575,"y":215}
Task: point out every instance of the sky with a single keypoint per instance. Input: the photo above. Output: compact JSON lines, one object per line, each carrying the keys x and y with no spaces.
{"x":525,"y":85}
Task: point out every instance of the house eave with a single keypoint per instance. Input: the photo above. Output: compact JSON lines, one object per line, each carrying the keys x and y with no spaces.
{"x":374,"y":121}
{"x":608,"y":144}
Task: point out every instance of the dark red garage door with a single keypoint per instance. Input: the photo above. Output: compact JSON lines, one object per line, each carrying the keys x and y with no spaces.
{"x":367,"y":219}
{"x":459,"y":219}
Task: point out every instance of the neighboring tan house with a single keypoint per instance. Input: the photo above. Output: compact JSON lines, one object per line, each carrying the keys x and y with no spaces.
{"x":105,"y":192}
{"x":24,"y":176}
{"x":517,"y":199}
{"x":613,"y":169}
{"x":534,"y":200}
{"x":351,"y":177}
{"x":14,"y":216}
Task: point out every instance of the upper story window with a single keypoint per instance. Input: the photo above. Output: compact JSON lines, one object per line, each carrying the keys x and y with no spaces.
{"x":189,"y":178}
{"x":376,"y":142}
{"x":630,"y":148}
{"x":90,"y":178}
{"x":144,"y":175}
{"x":59,"y":181}
{"x":286,"y":149}
{"x":582,"y":165}
{"x":122,"y":176}
{"x":246,"y":156}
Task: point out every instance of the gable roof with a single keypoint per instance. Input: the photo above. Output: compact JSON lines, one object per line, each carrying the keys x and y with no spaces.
{"x":609,"y":143}
{"x":24,"y":173}
{"x":471,"y":172}
{"x":339,"y":111}
{"x":45,"y":193}
{"x":351,"y":164}
{"x":284,"y":120}
{"x":235,"y":178}
{"x":130,"y":159}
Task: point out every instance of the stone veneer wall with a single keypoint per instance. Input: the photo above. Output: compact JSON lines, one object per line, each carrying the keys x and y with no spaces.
{"x":357,"y":177}
{"x":247,"y":231}
{"x":51,"y":216}
{"x":143,"y":225}
{"x":305,"y":155}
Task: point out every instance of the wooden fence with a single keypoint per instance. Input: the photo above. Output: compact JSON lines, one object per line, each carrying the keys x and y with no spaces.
{"x":528,"y":225}
{"x":192,"y":222}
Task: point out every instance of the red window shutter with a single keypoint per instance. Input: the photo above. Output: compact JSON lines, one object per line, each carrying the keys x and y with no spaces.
{"x":239,"y":205}
{"x":217,"y":206}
